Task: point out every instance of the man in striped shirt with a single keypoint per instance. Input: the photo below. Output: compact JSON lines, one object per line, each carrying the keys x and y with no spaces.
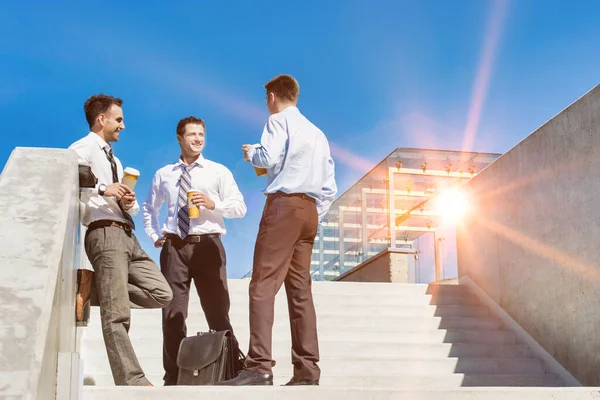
{"x":192,"y":247}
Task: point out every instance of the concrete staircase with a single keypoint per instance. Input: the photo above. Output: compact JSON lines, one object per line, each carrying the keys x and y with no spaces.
{"x":379,"y":339}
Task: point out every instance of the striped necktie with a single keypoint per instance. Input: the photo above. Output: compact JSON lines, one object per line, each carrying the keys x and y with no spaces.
{"x":185,"y":184}
{"x":113,"y":166}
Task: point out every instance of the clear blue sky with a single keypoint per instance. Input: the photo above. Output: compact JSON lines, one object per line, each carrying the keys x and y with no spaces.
{"x":374,"y":75}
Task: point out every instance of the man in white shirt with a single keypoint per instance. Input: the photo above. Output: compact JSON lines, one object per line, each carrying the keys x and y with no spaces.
{"x":192,"y":247}
{"x":123,"y":271}
{"x":300,"y":189}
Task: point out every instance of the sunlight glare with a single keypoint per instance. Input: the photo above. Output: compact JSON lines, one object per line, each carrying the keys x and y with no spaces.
{"x":452,"y":204}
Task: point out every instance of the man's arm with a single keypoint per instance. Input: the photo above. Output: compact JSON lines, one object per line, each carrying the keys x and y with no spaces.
{"x":117,"y":190}
{"x":329,"y":189}
{"x":151,"y":209}
{"x":231,"y":201}
{"x":83,"y":158}
{"x":272,"y":143}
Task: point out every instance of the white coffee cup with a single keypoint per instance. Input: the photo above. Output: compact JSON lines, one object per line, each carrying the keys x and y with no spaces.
{"x":130,"y":177}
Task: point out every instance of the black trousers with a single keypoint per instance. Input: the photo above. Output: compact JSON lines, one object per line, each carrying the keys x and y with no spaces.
{"x":203,"y":262}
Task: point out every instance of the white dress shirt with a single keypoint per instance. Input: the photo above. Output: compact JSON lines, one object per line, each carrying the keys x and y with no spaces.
{"x":297,"y":158}
{"x":90,"y":152}
{"x":208,"y":177}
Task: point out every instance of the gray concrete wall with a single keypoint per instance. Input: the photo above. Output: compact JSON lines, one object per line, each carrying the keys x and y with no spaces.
{"x":38,"y":217}
{"x":388,"y":266}
{"x":532,"y":241}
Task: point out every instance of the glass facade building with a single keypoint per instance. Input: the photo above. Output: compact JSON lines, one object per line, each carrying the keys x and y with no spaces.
{"x":391,"y":207}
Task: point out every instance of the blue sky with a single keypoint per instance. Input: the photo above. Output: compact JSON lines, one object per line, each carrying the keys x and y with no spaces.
{"x":373,"y":75}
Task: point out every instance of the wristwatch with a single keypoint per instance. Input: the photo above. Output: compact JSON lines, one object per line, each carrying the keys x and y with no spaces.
{"x":101,"y":189}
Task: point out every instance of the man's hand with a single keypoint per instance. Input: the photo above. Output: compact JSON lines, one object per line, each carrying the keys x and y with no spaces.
{"x":201,"y":199}
{"x":245,"y":150}
{"x":128,"y":200}
{"x":117,"y":190}
{"x":160,"y":242}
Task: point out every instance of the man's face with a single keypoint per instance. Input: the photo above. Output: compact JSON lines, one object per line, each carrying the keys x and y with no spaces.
{"x":192,"y":141}
{"x":112,"y":123}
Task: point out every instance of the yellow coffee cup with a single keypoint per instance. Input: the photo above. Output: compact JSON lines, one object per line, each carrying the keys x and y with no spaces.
{"x":130,"y":177}
{"x":193,"y":210}
{"x":260,"y":171}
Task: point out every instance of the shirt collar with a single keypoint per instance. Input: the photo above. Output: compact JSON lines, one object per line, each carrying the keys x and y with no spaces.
{"x":290,"y":109}
{"x":96,"y":138}
{"x":201,"y":161}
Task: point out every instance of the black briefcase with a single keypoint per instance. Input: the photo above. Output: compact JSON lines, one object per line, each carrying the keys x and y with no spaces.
{"x":206,"y":358}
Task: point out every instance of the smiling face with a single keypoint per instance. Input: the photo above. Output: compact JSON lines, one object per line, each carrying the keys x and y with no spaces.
{"x":192,"y":140}
{"x":112,"y":123}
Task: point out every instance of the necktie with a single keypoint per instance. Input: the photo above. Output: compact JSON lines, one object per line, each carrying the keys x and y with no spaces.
{"x":185,"y":184}
{"x":113,"y":165}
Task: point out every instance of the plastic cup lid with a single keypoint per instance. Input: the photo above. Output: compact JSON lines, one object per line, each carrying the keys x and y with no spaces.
{"x":131,"y":171}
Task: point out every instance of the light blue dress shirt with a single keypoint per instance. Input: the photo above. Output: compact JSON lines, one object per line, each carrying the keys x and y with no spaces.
{"x":297,"y":158}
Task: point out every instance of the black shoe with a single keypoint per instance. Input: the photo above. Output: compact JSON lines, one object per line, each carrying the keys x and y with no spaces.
{"x":247,"y":378}
{"x":302,"y":382}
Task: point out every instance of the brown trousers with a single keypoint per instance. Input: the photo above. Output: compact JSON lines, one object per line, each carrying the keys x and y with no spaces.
{"x":282,"y":256}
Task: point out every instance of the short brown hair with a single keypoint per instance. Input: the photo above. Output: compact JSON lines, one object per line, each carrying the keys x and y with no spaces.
{"x":99,"y":104}
{"x":188,"y":120}
{"x":284,"y":86}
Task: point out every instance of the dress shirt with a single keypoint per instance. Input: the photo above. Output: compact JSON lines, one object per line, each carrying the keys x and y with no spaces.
{"x":90,"y":152}
{"x":208,"y":177}
{"x":297,"y":158}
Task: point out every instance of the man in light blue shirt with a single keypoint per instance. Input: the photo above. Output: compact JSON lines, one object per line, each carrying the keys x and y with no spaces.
{"x":300,"y":189}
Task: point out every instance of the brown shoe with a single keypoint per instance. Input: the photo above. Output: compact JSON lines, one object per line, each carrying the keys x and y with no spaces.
{"x":84,"y":291}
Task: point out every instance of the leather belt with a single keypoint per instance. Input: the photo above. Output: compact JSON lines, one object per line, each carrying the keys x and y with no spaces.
{"x":194,"y":238}
{"x":303,"y":196}
{"x":103,"y":223}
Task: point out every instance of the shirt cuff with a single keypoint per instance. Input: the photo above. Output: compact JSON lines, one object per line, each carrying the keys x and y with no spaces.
{"x":154,"y":237}
{"x":253,"y":150}
{"x":218,"y":206}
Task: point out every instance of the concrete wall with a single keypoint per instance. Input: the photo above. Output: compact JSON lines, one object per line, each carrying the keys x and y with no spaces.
{"x":533,"y":239}
{"x":38,"y":219}
{"x":388,"y":266}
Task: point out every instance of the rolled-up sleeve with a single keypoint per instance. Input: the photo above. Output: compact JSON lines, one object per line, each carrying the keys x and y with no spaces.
{"x":83,"y":158}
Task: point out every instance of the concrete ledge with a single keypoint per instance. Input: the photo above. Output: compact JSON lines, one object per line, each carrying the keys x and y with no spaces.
{"x":390,"y":265}
{"x":552,"y":366}
{"x":38,"y":214}
{"x":531,"y":240}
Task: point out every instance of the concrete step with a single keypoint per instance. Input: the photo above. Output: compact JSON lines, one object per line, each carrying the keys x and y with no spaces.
{"x":343,"y":301}
{"x":329,"y":393}
{"x":430,"y":381}
{"x":452,"y":290}
{"x":146,"y":347}
{"x":358,"y":311}
{"x":389,"y":366}
{"x":332,"y":327}
{"x":362,"y":288}
{"x":397,"y":336}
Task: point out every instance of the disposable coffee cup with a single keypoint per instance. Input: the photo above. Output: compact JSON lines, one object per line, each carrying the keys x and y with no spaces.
{"x":130,"y":177}
{"x":193,"y":210}
{"x":260,"y":171}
